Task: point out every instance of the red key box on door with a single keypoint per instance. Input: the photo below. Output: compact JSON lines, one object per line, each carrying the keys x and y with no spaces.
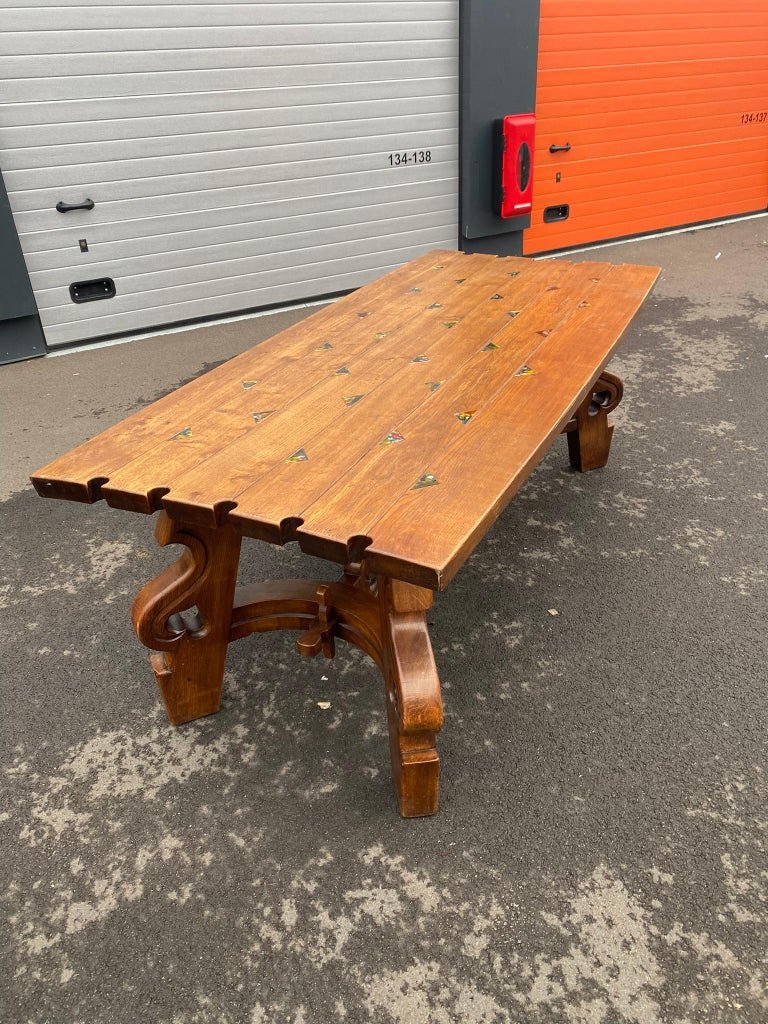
{"x":513,"y":164}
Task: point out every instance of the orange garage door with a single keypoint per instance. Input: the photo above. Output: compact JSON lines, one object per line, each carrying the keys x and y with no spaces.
{"x":664,"y":105}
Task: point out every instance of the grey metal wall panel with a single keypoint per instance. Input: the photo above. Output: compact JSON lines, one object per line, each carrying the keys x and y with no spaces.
{"x":21,"y":334}
{"x":238,"y":155}
{"x":169,"y":83}
{"x":182,"y":245}
{"x":499,"y":50}
{"x":270,"y":288}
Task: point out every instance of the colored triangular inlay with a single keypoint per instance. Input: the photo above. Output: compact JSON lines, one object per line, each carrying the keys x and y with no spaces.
{"x":352,"y":399}
{"x":393,"y":437}
{"x":439,"y":266}
{"x":512,"y":313}
{"x":435,"y":305}
{"x":341,"y":369}
{"x":380,"y":334}
{"x":362,"y":316}
{"x":497,"y":296}
{"x":525,"y":371}
{"x":426,"y":480}
{"x":247,"y":384}
{"x":460,"y":280}
{"x":513,"y":273}
{"x":545,"y":333}
{"x":433,"y":385}
{"x":420,"y":359}
{"x":326,"y":345}
{"x":259,"y":416}
{"x":449,"y":323}
{"x":490,"y":347}
{"x":186,"y":432}
{"x":414,"y":291}
{"x":465,"y":417}
{"x":298,"y":456}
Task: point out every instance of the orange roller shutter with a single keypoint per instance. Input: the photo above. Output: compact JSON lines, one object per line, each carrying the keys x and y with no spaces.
{"x":664,"y":105}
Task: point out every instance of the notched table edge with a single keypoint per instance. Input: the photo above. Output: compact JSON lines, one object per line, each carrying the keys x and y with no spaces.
{"x":87,"y":493}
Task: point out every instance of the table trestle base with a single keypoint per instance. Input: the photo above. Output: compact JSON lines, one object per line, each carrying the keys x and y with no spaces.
{"x":190,"y":613}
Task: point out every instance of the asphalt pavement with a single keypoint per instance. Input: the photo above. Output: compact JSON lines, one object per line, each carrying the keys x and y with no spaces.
{"x":600,"y":852}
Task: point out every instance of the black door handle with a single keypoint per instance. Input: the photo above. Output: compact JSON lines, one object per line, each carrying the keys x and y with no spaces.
{"x":88,"y":204}
{"x":560,"y":149}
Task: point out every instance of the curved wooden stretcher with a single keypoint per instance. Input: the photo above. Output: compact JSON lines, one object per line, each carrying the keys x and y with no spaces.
{"x":386,"y":433}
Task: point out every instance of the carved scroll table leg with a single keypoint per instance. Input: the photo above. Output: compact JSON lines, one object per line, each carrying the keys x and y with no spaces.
{"x":414,"y":704}
{"x":590,"y":431}
{"x":191,"y":612}
{"x":191,"y":645}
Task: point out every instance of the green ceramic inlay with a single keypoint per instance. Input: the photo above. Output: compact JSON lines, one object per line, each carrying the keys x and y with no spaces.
{"x":525,"y":371}
{"x":259,"y":416}
{"x":186,"y":432}
{"x":298,"y":456}
{"x":449,"y":323}
{"x":393,"y":437}
{"x":352,"y":399}
{"x":426,"y":480}
{"x":420,"y":359}
{"x":465,"y":417}
{"x":490,"y":347}
{"x":380,"y":334}
{"x":433,"y":385}
{"x":341,"y":369}
{"x":326,"y":345}
{"x":512,"y":313}
{"x":249,"y":384}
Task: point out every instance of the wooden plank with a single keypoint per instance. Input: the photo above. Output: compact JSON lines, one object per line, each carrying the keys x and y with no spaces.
{"x":335,"y":527}
{"x":77,"y":475}
{"x":479,"y":475}
{"x":231,"y":442}
{"x":272,"y":506}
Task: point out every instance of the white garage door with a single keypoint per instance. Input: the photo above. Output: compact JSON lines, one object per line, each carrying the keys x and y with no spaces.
{"x":238,"y":155}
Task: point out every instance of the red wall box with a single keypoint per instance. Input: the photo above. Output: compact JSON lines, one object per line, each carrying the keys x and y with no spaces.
{"x":514,"y":164}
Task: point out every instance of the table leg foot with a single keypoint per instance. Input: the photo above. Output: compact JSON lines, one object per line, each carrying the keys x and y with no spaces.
{"x":590,"y":431}
{"x":414,"y":703}
{"x":184,"y":615}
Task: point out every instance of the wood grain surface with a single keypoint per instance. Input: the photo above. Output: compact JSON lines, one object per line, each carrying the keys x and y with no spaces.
{"x":398,"y":421}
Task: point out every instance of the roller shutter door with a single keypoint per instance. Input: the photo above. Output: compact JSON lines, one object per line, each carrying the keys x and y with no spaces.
{"x":665,"y":107}
{"x":238,"y":155}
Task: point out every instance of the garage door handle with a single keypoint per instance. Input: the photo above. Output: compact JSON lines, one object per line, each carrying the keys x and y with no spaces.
{"x":88,"y":204}
{"x":560,"y":149}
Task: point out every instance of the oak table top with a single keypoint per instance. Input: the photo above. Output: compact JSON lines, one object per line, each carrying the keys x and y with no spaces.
{"x":396,"y":422}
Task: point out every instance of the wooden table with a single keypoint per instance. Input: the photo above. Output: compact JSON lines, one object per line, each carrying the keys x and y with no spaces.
{"x":386,"y":433}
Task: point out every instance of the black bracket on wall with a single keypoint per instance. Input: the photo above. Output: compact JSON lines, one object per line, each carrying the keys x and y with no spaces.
{"x":21,"y":333}
{"x":498,"y":52}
